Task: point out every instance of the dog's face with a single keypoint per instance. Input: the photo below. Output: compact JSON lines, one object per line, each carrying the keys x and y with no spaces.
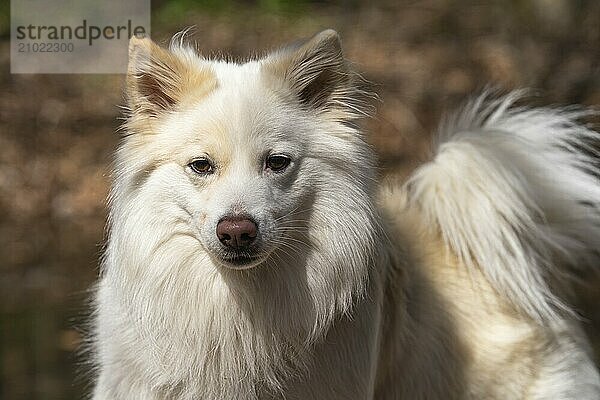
{"x":239,"y":159}
{"x":238,"y":152}
{"x":244,"y":159}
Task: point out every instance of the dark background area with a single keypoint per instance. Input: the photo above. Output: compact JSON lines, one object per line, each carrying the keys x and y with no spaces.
{"x":57,"y":134}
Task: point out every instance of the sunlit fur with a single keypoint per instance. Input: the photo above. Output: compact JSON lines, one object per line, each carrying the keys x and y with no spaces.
{"x":524,"y":196}
{"x":443,"y":287}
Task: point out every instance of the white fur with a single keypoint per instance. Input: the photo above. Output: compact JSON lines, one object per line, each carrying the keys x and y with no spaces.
{"x":349,"y":300}
{"x":512,"y":191}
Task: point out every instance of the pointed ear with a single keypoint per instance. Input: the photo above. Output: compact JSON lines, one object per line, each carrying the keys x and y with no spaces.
{"x":159,"y":79}
{"x":315,"y":69}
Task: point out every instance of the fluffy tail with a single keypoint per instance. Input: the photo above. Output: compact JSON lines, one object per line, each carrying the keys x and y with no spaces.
{"x":516,"y":193}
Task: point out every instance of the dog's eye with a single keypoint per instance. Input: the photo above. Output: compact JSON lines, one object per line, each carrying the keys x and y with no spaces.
{"x":201,"y":166}
{"x":277,"y":163}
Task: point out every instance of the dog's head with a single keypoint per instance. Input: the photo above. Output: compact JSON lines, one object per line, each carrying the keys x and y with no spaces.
{"x":242,"y":152}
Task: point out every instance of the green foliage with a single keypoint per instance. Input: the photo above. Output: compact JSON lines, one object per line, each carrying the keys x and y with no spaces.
{"x":177,"y":10}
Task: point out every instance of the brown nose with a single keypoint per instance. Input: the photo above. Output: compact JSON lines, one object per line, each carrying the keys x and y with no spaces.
{"x":236,"y":233}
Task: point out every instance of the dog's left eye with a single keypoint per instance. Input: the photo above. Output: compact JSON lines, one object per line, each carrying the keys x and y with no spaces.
{"x":277,"y":163}
{"x":201,"y":166}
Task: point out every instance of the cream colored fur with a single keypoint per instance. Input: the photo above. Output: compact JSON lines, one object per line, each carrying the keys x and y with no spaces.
{"x":448,"y":286}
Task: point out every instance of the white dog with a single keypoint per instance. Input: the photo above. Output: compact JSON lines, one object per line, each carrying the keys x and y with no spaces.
{"x":251,"y":254}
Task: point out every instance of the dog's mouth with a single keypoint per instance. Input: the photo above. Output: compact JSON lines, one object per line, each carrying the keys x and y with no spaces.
{"x":240,"y":261}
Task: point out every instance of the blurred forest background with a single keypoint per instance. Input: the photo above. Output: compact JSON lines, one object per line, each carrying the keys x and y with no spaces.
{"x":57,"y":133}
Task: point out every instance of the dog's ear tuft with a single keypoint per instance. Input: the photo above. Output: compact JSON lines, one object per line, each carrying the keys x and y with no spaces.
{"x":158,"y":79}
{"x":314,"y":69}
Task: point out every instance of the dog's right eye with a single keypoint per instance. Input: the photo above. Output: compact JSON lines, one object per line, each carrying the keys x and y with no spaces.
{"x":201,"y":166}
{"x":277,"y":163}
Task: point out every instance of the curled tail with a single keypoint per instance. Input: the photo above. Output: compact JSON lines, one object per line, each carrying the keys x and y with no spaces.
{"x":515,"y":192}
